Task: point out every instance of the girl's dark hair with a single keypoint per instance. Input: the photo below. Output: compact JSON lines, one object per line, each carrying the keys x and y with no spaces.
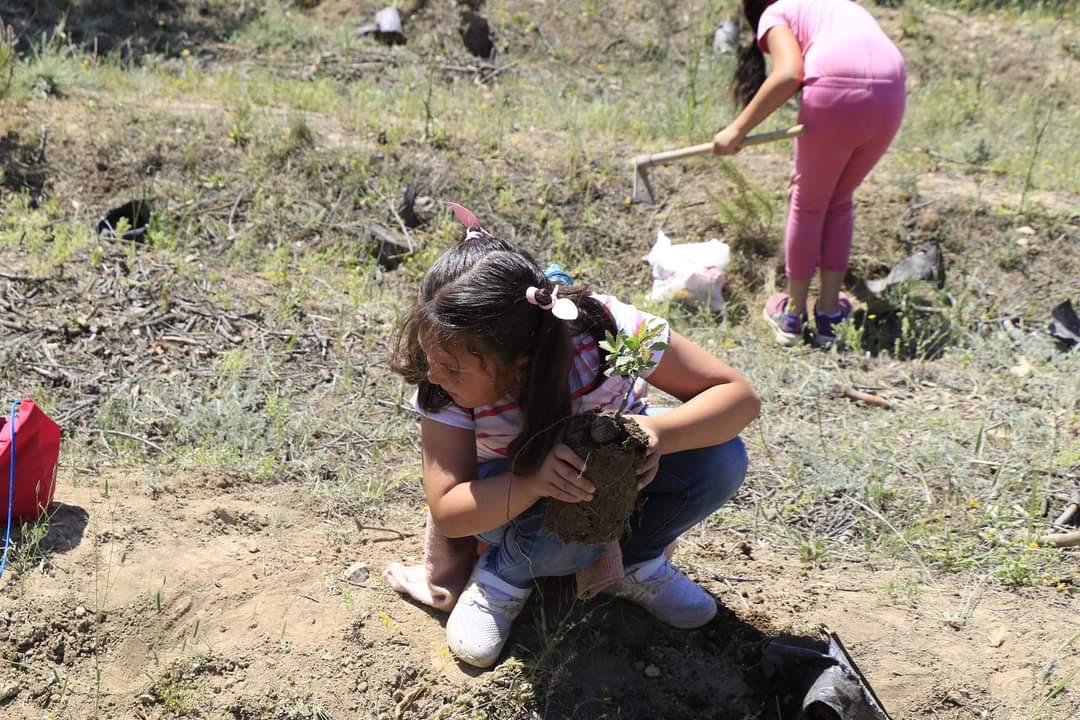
{"x":475,"y":294}
{"x":750,"y":62}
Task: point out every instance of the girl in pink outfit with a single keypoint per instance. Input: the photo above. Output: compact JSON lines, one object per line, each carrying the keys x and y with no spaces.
{"x":852,"y":82}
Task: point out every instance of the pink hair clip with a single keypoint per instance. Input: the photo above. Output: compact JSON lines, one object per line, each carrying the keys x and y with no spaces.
{"x":465,"y":216}
{"x":562,"y":308}
{"x":468,"y":218}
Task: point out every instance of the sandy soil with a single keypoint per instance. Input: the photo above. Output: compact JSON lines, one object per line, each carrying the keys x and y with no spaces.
{"x":216,"y":599}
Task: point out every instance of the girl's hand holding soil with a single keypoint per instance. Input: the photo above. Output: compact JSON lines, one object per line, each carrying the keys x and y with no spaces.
{"x":560,"y":477}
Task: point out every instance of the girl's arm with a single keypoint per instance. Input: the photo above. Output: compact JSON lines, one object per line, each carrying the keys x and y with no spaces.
{"x":784,"y":81}
{"x":718,"y":402}
{"x":463,"y":505}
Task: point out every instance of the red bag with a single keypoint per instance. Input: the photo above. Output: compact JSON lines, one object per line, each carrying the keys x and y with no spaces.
{"x":37,"y":447}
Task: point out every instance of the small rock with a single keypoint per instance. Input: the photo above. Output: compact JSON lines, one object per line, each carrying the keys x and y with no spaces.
{"x":1025,"y":230}
{"x":997,"y":637}
{"x":651,"y":671}
{"x":253,"y":548}
{"x":56,"y":652}
{"x":9,"y":692}
{"x":146,"y":699}
{"x":224,"y":516}
{"x":80,"y":612}
{"x":361,"y":687}
{"x":356,"y":573}
{"x":1021,"y":369}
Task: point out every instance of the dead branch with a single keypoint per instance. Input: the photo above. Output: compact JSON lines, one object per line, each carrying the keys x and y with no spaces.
{"x":1068,"y":539}
{"x":406,"y":701}
{"x":22,"y":278}
{"x":401,"y":535}
{"x":129,"y":436}
{"x":853,"y":394}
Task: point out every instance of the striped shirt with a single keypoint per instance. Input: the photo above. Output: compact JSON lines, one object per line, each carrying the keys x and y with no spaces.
{"x":498,"y":424}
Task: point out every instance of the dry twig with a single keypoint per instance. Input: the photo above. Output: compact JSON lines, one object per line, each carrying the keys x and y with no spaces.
{"x":853,"y":394}
{"x":1069,"y":539}
{"x":129,"y":436}
{"x":401,"y":535}
{"x":406,"y":701}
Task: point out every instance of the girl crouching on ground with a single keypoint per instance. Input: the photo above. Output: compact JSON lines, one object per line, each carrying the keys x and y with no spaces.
{"x":501,"y":356}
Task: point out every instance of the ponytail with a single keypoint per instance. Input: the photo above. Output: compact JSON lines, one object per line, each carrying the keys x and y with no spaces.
{"x":545,"y":395}
{"x":750,"y":62}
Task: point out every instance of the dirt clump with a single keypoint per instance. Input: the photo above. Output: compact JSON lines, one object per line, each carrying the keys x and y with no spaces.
{"x":613,"y":447}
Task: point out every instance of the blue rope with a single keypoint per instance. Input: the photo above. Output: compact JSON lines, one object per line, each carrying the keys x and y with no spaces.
{"x":11,"y":488}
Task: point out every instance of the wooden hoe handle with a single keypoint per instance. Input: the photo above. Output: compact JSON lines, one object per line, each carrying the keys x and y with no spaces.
{"x":706,"y":148}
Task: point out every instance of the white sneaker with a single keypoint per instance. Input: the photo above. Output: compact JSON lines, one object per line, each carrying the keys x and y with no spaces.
{"x":479,"y":624}
{"x":659,"y":587}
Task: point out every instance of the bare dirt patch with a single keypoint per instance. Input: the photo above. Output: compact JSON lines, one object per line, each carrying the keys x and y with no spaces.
{"x":179,"y":608}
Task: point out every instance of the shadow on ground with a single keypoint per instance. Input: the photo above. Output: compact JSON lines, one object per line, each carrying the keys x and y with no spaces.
{"x":23,"y":165}
{"x":131,"y":27}
{"x":610,"y":659}
{"x":67,"y":524}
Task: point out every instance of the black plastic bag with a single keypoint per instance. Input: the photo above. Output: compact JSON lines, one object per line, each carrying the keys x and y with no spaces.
{"x":1065,"y":325}
{"x":137,"y":214}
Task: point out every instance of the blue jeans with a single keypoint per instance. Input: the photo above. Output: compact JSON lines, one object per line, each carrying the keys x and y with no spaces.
{"x":688,"y":487}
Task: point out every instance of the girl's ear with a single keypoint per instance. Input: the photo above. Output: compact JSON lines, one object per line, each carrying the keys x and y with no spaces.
{"x":517,"y":370}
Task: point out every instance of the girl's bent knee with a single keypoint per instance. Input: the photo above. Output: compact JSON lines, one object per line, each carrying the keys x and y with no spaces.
{"x":728,"y":464}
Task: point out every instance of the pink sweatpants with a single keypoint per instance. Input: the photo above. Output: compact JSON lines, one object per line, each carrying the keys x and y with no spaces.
{"x":849,"y":125}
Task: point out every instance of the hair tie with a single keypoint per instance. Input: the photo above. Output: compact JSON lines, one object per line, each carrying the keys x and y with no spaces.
{"x":562,"y":308}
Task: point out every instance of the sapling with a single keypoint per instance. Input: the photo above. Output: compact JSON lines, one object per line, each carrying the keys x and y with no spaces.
{"x":612,"y":444}
{"x":631,"y":355}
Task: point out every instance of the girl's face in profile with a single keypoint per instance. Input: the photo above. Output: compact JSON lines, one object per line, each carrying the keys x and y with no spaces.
{"x":467,"y":378}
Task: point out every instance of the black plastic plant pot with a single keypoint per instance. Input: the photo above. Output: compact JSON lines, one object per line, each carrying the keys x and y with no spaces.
{"x":819,"y":680}
{"x":137,"y":214}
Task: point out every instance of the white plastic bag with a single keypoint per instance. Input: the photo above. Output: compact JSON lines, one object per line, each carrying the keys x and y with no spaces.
{"x":726,"y":38}
{"x":689,"y":271}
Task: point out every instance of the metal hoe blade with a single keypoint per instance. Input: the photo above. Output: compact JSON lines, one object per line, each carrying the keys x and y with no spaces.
{"x":643,"y":192}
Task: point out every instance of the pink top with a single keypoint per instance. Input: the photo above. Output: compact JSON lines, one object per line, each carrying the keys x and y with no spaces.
{"x":497,"y":425}
{"x":839,"y":40}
